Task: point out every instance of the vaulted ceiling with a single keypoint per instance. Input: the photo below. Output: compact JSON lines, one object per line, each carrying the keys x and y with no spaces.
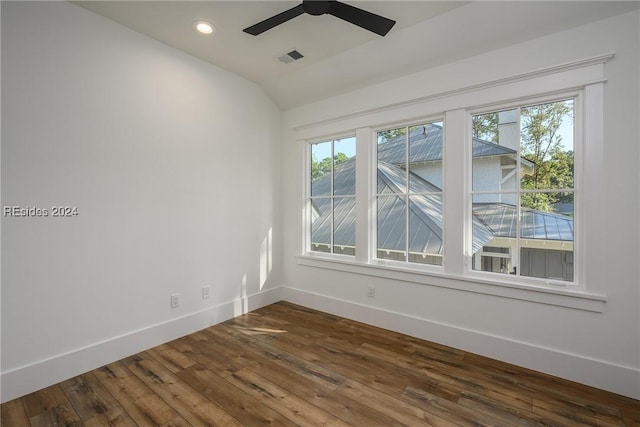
{"x":339,"y":56}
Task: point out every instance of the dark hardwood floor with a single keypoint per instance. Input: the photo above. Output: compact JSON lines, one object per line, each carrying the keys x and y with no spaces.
{"x":287,"y":365}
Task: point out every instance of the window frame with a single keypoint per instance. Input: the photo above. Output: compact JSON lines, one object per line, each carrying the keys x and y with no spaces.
{"x":584,"y":76}
{"x":374,"y":259}
{"x":307,"y":243}
{"x":577,"y":96}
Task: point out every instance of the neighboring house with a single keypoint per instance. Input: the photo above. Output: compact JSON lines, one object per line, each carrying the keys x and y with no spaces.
{"x":546,"y":238}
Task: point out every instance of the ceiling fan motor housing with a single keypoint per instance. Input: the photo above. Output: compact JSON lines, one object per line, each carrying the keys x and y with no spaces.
{"x":316,"y":8}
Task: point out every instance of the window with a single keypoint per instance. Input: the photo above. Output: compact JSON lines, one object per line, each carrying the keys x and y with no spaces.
{"x":409,"y":194}
{"x":332,"y":201}
{"x":523,"y":191}
{"x":479,"y":195}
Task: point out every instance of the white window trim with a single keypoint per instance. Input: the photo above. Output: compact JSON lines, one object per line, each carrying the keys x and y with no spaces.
{"x":578,"y":300}
{"x":580,"y":279}
{"x":306,"y":211}
{"x":584,"y":76}
{"x":372,"y":164}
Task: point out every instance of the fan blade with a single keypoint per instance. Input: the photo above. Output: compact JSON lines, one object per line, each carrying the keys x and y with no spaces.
{"x":367,"y":20}
{"x":276,"y":20}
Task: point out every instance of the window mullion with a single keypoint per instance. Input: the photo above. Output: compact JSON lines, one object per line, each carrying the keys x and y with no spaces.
{"x":456,"y":194}
{"x":332,"y":195}
{"x":365,"y":198}
{"x":406,"y":196}
{"x":515,"y":257}
{"x":305,"y":218}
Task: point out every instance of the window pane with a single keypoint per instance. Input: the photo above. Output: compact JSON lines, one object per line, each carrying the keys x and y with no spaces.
{"x":485,"y":127}
{"x":547,"y":235}
{"x":344,"y":225}
{"x":495,"y":139}
{"x":422,"y":243}
{"x":494,"y":260}
{"x":333,"y":218}
{"x":392,"y":211}
{"x":392,"y":160}
{"x":344,"y":166}
{"x":425,"y":229}
{"x":321,"y":169}
{"x":551,"y":264}
{"x":547,"y":132}
{"x":518,"y":229}
{"x":321,"y":225}
{"x":494,"y":226}
{"x":425,"y":157}
{"x":548,"y":218}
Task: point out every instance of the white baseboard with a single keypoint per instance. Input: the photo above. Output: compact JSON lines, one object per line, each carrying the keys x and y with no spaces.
{"x":27,"y":379}
{"x":607,"y":376}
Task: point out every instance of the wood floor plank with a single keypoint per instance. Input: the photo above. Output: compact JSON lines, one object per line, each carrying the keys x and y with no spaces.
{"x":115,"y":417}
{"x":144,"y":406}
{"x":188,"y":402}
{"x":88,"y":397}
{"x":576,"y":412}
{"x":475,"y":377}
{"x":246,"y":408}
{"x":451,"y":411}
{"x":261,"y":322}
{"x":629,"y":409}
{"x":13,"y":414}
{"x":207,"y":356}
{"x":285,"y":365}
{"x":347,"y":409}
{"x":61,"y":415}
{"x":350,"y":364}
{"x":543,"y":386}
{"x":413,"y":371}
{"x":511,"y":412}
{"x":44,"y":400}
{"x":293,"y":362}
{"x":298,"y":410}
{"x":361,"y":333}
{"x":401,"y":411}
{"x":177,"y":422}
{"x":174,"y":360}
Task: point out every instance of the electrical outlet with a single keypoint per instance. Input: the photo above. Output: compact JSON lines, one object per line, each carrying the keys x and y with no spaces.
{"x":206,"y":292}
{"x":175,"y":300}
{"x":371,"y":291}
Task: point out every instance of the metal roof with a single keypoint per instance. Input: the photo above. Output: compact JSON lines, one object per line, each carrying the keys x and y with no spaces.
{"x":344,"y":182}
{"x":425,"y":213}
{"x":501,"y":218}
{"x":425,"y":145}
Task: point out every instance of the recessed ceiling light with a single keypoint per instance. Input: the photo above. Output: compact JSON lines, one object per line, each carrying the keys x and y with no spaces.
{"x":204,"y":27}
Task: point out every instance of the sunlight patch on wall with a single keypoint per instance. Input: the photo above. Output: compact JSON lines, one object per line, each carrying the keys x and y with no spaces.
{"x":266,"y":255}
{"x":241,"y":305}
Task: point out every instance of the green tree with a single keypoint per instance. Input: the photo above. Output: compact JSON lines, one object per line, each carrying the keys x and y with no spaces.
{"x":323,"y":167}
{"x":485,"y":127}
{"x":541,"y":144}
{"x":388,"y":135}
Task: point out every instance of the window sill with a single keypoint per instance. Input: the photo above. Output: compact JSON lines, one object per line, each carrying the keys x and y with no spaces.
{"x":568,"y":298}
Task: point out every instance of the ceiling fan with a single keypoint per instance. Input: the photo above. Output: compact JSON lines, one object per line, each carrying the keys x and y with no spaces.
{"x":367,"y":20}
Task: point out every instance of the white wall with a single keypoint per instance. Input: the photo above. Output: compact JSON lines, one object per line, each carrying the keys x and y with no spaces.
{"x":173,"y":165}
{"x":601,"y":349}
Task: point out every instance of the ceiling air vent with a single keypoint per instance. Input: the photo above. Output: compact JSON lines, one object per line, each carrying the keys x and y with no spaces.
{"x":294,"y":55}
